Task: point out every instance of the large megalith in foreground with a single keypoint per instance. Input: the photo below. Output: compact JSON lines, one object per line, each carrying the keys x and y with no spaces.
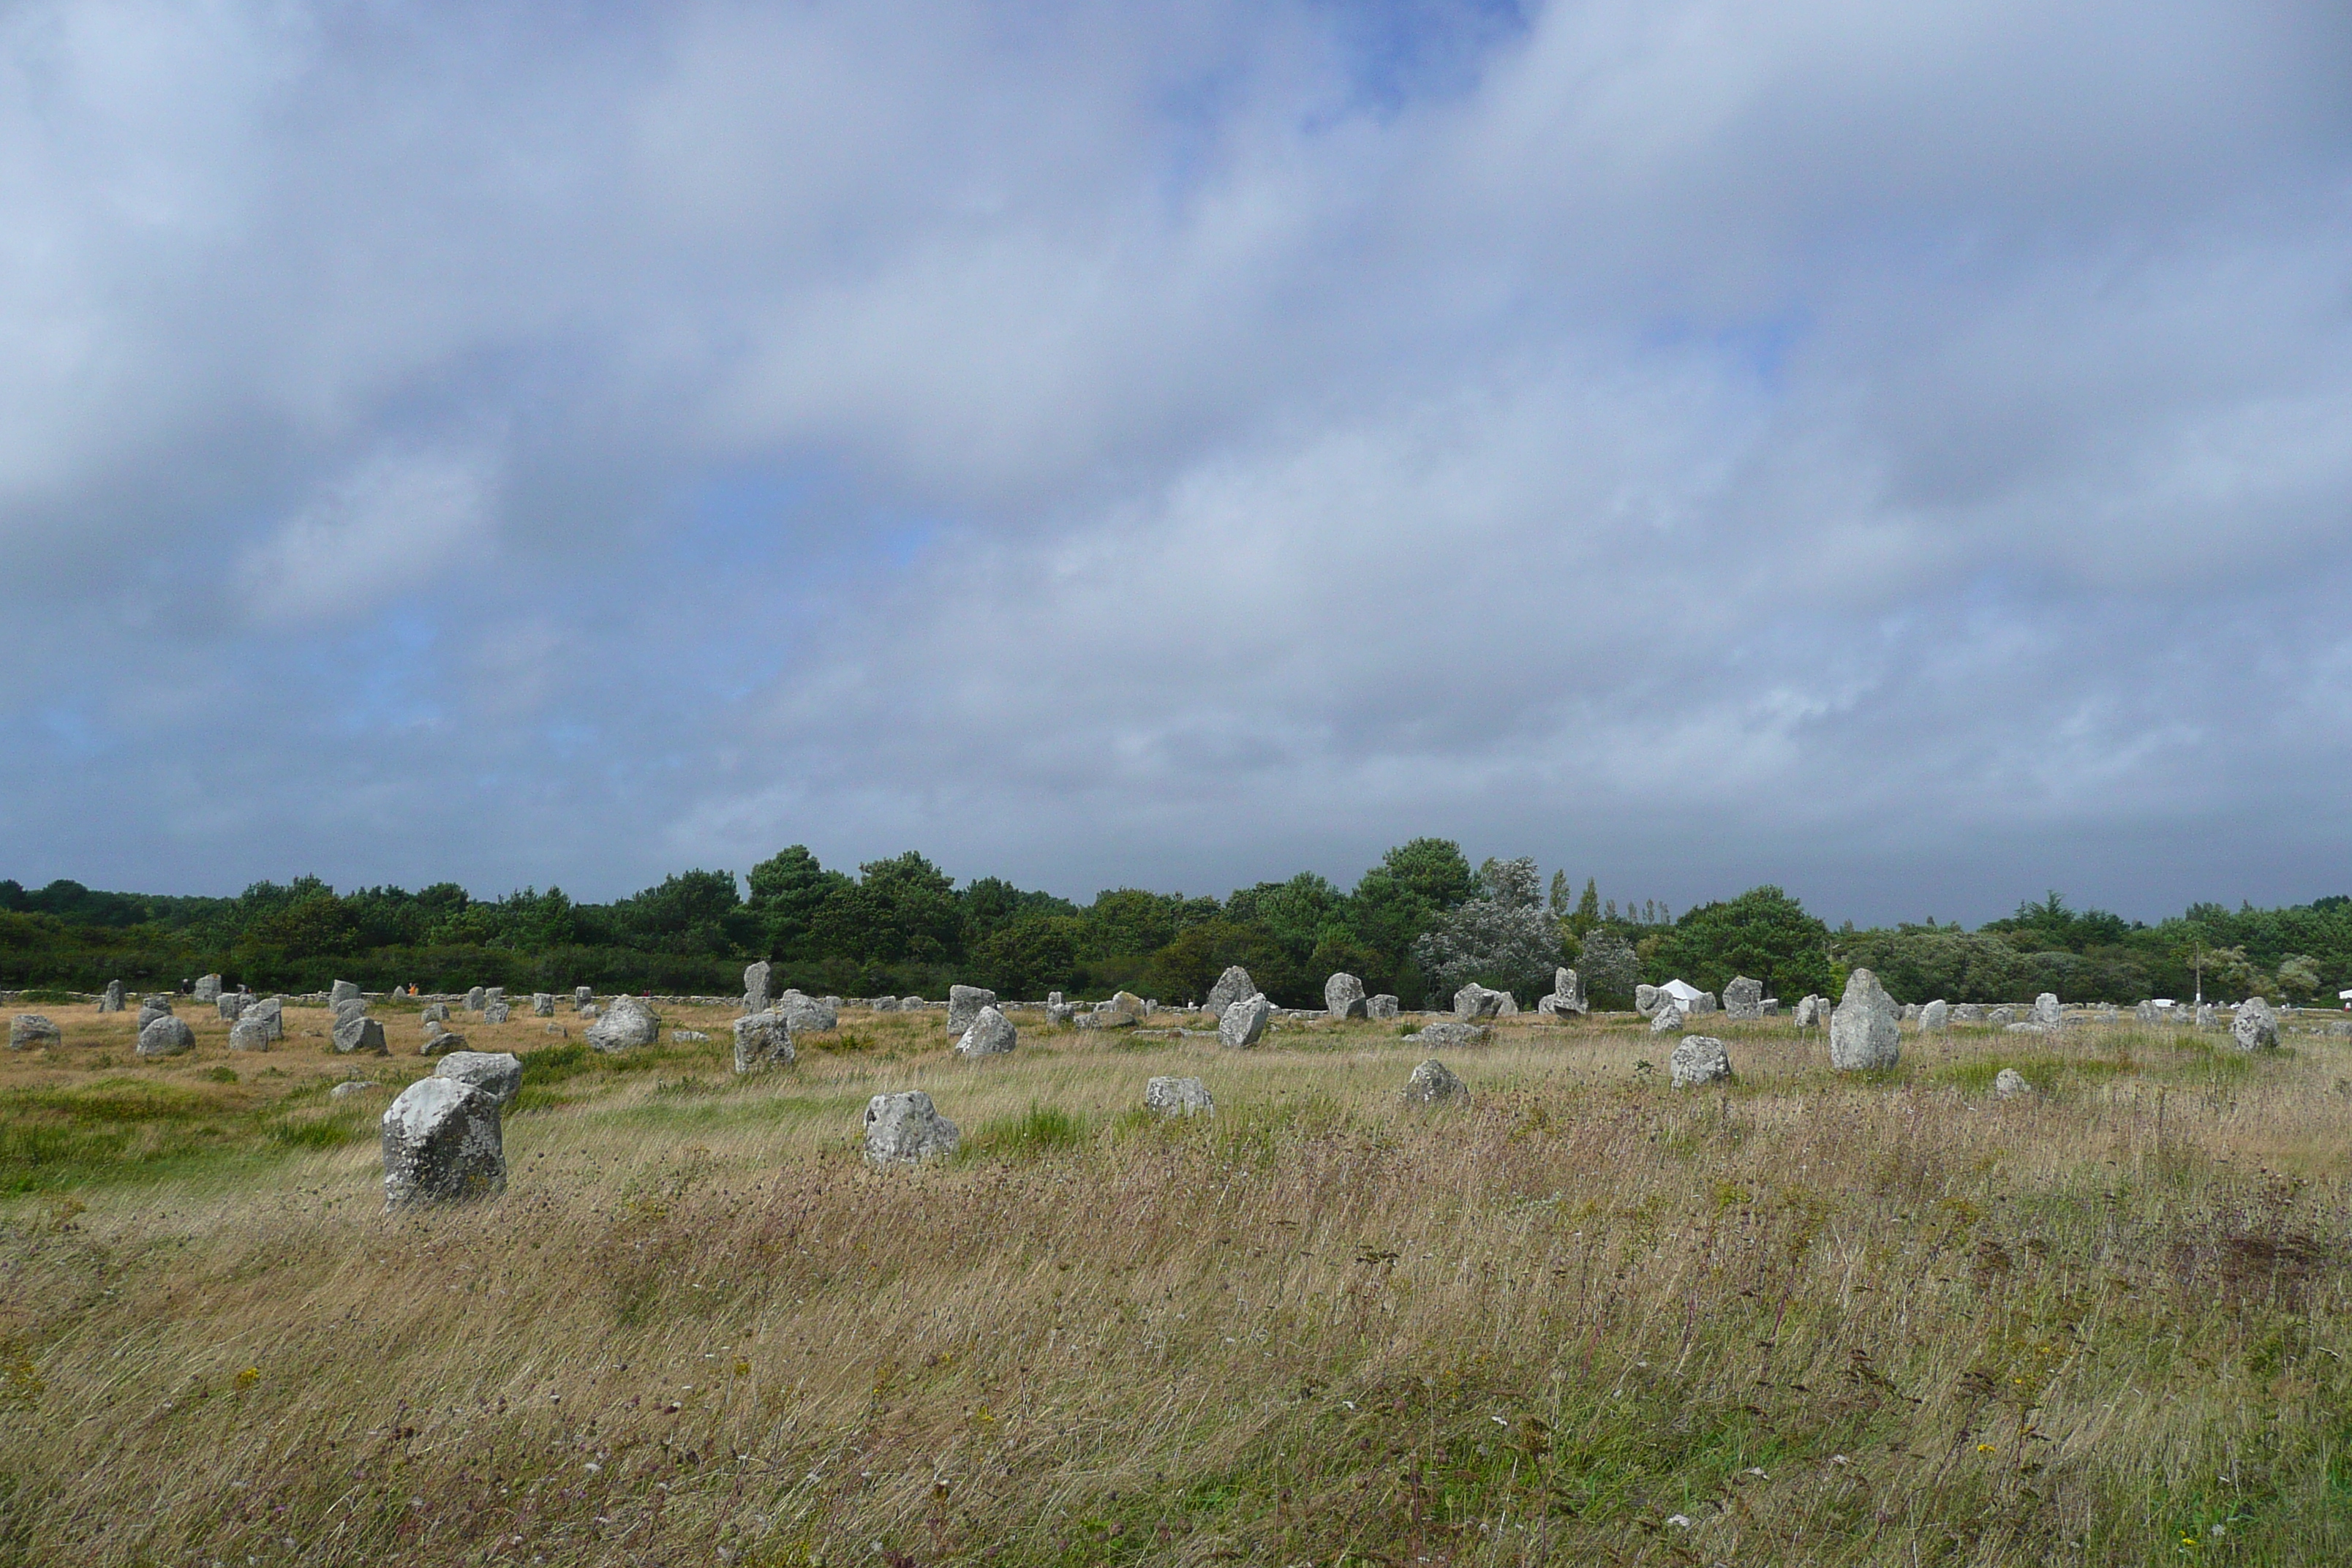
{"x":1866,"y":1031}
{"x":442,"y":1143}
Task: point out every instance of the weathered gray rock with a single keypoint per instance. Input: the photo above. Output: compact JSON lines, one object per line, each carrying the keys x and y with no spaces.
{"x":1909,"y":1014}
{"x":1864,"y":1034}
{"x":475,"y":998}
{"x":349,"y":1007}
{"x":763,"y":1040}
{"x":1645,"y":999}
{"x":2255,"y":1026}
{"x":441,"y":1042}
{"x":581,"y":996}
{"x":755,"y":986}
{"x":901,"y":1128}
{"x":1234,"y":985}
{"x":358,"y":1032}
{"x":110,"y":999}
{"x":343,"y":991}
{"x":1434,"y":1083}
{"x":1129,"y":1002}
{"x":208,"y":988}
{"x":1103,"y":1016}
{"x":543,"y":1004}
{"x":1699,"y":1058}
{"x":2009,"y":1083}
{"x":689,"y":1037}
{"x":964,"y":1002}
{"x":808,"y":1014}
{"x":1439,"y":1034}
{"x":1179,"y":1096}
{"x":1059,"y":1012}
{"x":1668,"y":1019}
{"x":1343,"y":997}
{"x":493,"y":995}
{"x":495,"y":1073}
{"x":153,"y":1006}
{"x":1704,"y":1002}
{"x":2046,"y":1011}
{"x":990,"y":1034}
{"x":1567,"y":994}
{"x":1935,"y":1017}
{"x":496,"y":1011}
{"x":1743,"y":1000}
{"x":270,"y":1014}
{"x":442,"y":1143}
{"x":351,"y":1087}
{"x":33,"y":1032}
{"x":1242,"y":1023}
{"x":1475,"y":1002}
{"x":248,"y":1035}
{"x":231,"y":1005}
{"x":2147,"y":1012}
{"x":2206,"y":1016}
{"x":626,"y":1025}
{"x":1380,"y":1007}
{"x":884,"y":1004}
{"x":435,"y":1012}
{"x":166,"y":1037}
{"x":1808,"y":1012}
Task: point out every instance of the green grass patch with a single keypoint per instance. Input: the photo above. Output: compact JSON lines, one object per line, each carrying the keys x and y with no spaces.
{"x":1041,"y":1130}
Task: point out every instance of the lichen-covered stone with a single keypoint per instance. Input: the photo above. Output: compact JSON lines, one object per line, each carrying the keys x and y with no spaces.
{"x":442,"y":1143}
{"x":543,"y":1004}
{"x":808,"y":1014}
{"x":1444,"y":1033}
{"x":2255,"y":1026}
{"x":2046,"y":1011}
{"x":476,"y":999}
{"x":435,"y":1012}
{"x":248,"y":1035}
{"x":1179,"y":1096}
{"x":1935,"y":1017}
{"x":990,"y":1034}
{"x":441,"y":1042}
{"x":964,"y":1002}
{"x":1434,"y":1083}
{"x":901,"y":1128}
{"x":1380,"y":1007}
{"x":343,"y":991}
{"x":1697,"y":1060}
{"x":110,"y":999}
{"x":1242,"y":1023}
{"x":755,"y":987}
{"x":153,"y":1006}
{"x":1103,"y":1016}
{"x":1865,"y":1032}
{"x":626,"y":1025}
{"x":1343,"y":997}
{"x":2009,"y":1083}
{"x":763,"y":1040}
{"x":33,"y":1032}
{"x":1475,"y":1002}
{"x":1234,"y":985}
{"x":1668,"y":1019}
{"x":208,"y":988}
{"x":497,"y":1074}
{"x":166,"y":1036}
{"x":1645,"y":999}
{"x":1743,"y":1000}
{"x":358,"y":1032}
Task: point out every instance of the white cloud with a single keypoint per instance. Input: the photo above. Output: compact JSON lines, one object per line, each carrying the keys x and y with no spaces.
{"x":398,"y":520}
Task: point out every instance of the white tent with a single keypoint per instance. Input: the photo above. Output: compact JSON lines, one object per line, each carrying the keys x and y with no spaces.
{"x":1683,"y":992}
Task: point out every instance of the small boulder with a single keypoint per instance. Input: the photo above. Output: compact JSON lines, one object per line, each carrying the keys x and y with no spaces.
{"x":166,"y":1036}
{"x":1567,"y":994}
{"x":155,"y":1006}
{"x":1380,"y":1007}
{"x":763,"y":1040}
{"x":2255,"y":1026}
{"x":2009,"y":1083}
{"x":1129,"y":1002}
{"x":901,"y":1128}
{"x":626,"y":1025}
{"x":1234,"y":985}
{"x":496,"y":1011}
{"x":1743,"y":1000}
{"x":807,"y":1014}
{"x":1179,"y":1096}
{"x":884,"y":1004}
{"x":33,"y":1032}
{"x":435,"y":1012}
{"x":358,"y":1032}
{"x":343,"y":991}
{"x":1242,"y":1023}
{"x":964,"y":1002}
{"x":1434,"y":1083}
{"x":1059,"y":1012}
{"x":1668,"y":1019}
{"x":351,"y":1087}
{"x":581,"y":996}
{"x":992,"y":1034}
{"x":476,"y":999}
{"x":442,"y":1143}
{"x":441,"y":1042}
{"x":1645,"y":999}
{"x":497,"y":1074}
{"x":543,"y":1004}
{"x":689,"y":1037}
{"x":1343,"y":997}
{"x":1442,"y":1033}
{"x":1864,"y":1034}
{"x":248,"y":1035}
{"x":1935,"y":1017}
{"x":1808,"y":1013}
{"x":1475,"y":1002}
{"x":2001,"y":1017}
{"x":1103,"y":1016}
{"x":1697,"y":1060}
{"x":110,"y":999}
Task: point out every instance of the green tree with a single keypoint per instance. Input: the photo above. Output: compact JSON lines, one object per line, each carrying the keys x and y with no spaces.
{"x":787,"y":890}
{"x":1763,"y":933}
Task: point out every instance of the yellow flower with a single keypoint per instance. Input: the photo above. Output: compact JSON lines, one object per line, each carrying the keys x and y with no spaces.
{"x":249,"y":1377}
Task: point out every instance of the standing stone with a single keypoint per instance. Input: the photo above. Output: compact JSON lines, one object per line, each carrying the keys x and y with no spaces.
{"x":343,"y":991}
{"x":763,"y":1040}
{"x":32,"y":1031}
{"x":1434,"y":1083}
{"x":153,"y":1006}
{"x":358,"y":1032}
{"x":1440,"y":1033}
{"x":435,"y":1012}
{"x":1864,"y":1032}
{"x":442,"y":1143}
{"x":1129,"y":1002}
{"x":2206,"y":1016}
{"x":755,"y":987}
{"x":2046,"y":1012}
{"x":2255,"y":1027}
{"x":248,"y":1035}
{"x":1567,"y":994}
{"x":1808,"y":1012}
{"x":1380,"y":1007}
{"x":1705,"y":1002}
{"x":166,"y":1037}
{"x":1475,"y":1002}
{"x":581,"y":996}
{"x":1909,"y":1015}
{"x":2001,"y":1017}
{"x":1242,"y":1024}
{"x":439,"y":1041}
{"x":626,"y":1024}
{"x":496,"y":1011}
{"x":901,"y":1128}
{"x":1743,"y":1000}
{"x":1104,"y":1016}
{"x":1179,"y":1096}
{"x":807,"y":1014}
{"x":351,"y":1007}
{"x":1645,"y":999}
{"x":230,"y":1005}
{"x":1053,"y":998}
{"x":1699,"y":1058}
{"x":1935,"y":1017}
{"x":964,"y":1002}
{"x":1343,"y":997}
{"x":2147,"y":1012}
{"x":497,"y":1074}
{"x":208,"y":988}
{"x":270,"y":1014}
{"x":1668,"y":1019}
{"x":2009,"y":1083}
{"x":110,"y":999}
{"x":543,"y":1004}
{"x":1059,"y":1012}
{"x":475,"y":998}
{"x":1234,"y":985}
{"x":884,"y":1004}
{"x":992,"y":1034}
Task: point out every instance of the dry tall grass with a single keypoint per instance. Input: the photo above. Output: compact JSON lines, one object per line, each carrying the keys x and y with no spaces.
{"x":1590,"y":1318}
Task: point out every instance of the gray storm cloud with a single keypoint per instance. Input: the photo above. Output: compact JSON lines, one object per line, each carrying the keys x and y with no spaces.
{"x":1900,"y":452}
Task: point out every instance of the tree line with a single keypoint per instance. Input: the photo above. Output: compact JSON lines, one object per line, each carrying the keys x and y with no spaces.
{"x":1419,"y":924}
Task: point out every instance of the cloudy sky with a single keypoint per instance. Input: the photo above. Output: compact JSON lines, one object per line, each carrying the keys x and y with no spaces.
{"x":1902,"y":452}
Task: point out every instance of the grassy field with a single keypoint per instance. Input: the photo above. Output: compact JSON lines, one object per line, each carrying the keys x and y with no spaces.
{"x":1588,"y":1320}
